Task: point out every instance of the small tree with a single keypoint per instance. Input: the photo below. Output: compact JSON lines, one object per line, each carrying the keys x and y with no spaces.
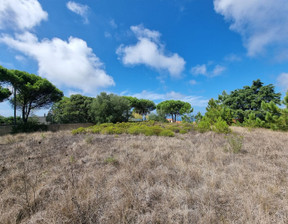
{"x":174,"y":108}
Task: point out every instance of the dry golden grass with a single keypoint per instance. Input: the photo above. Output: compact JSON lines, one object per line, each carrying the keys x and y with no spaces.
{"x":191,"y":178}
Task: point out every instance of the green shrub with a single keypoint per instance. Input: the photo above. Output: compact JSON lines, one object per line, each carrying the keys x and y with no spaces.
{"x":148,"y":132}
{"x":156,"y":130}
{"x":30,"y":126}
{"x":95,"y":129}
{"x":167,"y":133}
{"x":173,"y":128}
{"x":136,"y":130}
{"x":204,"y":125}
{"x":80,"y":130}
{"x":183,"y":131}
{"x":221,"y":126}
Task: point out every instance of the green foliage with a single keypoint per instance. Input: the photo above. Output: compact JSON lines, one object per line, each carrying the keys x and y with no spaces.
{"x":253,"y":121}
{"x":198,"y":117}
{"x":71,"y":110}
{"x":204,"y":125}
{"x":249,"y":98}
{"x":30,"y":126}
{"x":33,"y":92}
{"x":8,"y":120}
{"x":167,"y":133}
{"x":80,"y":130}
{"x":174,"y":108}
{"x":216,"y":111}
{"x":220,"y":126}
{"x":109,"y":109}
{"x":4,"y":93}
{"x":144,"y":128}
{"x":160,"y":117}
{"x":275,"y":118}
{"x":141,"y":106}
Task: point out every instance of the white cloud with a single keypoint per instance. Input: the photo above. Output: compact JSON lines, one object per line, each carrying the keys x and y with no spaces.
{"x":150,"y":52}
{"x":282,"y":81}
{"x":21,"y":14}
{"x":218,"y":70}
{"x":203,"y":70}
{"x":262,"y":24}
{"x":232,"y":58}
{"x":113,"y":24}
{"x":68,"y":63}
{"x":79,"y":9}
{"x":199,"y":70}
{"x":192,"y":82}
{"x":195,"y":101}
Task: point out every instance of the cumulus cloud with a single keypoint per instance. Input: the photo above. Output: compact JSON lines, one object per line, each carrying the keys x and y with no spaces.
{"x":262,"y":24}
{"x":21,"y":15}
{"x":150,"y":52}
{"x":282,"y":81}
{"x":69,"y":63}
{"x":196,"y":101}
{"x":79,"y":9}
{"x":203,"y":70}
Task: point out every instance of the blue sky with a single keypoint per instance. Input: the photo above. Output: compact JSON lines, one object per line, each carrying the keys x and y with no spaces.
{"x":189,"y":50}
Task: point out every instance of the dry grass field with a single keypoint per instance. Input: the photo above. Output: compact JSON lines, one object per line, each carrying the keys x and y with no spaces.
{"x":192,"y":178}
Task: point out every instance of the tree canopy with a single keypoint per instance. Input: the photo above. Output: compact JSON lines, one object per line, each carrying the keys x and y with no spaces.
{"x":249,"y":98}
{"x":141,"y":106}
{"x":174,"y":108}
{"x":34,"y":92}
{"x":73,"y":109}
{"x":109,"y":109}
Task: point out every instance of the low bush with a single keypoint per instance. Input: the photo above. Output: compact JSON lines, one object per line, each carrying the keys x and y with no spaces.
{"x":167,"y":133}
{"x":203,"y":125}
{"x":80,"y":130}
{"x":221,"y":126}
{"x":30,"y":126}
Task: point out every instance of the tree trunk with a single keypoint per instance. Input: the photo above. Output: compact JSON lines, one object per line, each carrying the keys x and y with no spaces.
{"x":15,"y":106}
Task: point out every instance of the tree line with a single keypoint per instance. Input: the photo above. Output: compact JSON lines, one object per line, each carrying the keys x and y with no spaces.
{"x":257,"y":105}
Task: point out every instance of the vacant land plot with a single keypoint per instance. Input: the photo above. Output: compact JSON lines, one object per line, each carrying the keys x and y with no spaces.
{"x":241,"y":177}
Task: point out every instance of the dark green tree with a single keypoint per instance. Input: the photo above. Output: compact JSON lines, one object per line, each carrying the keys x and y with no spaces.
{"x":71,"y":110}
{"x":249,"y":99}
{"x":110,"y":109}
{"x":174,"y":108}
{"x":33,"y":92}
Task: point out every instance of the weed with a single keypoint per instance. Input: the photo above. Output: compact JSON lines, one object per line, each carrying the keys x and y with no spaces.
{"x":111,"y":160}
{"x":89,"y":140}
{"x":235,"y":142}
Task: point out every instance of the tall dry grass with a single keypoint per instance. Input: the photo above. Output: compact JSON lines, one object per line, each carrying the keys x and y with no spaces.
{"x":192,"y":178}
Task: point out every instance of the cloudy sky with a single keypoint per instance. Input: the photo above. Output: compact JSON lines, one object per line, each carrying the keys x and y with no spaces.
{"x":190,"y":50}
